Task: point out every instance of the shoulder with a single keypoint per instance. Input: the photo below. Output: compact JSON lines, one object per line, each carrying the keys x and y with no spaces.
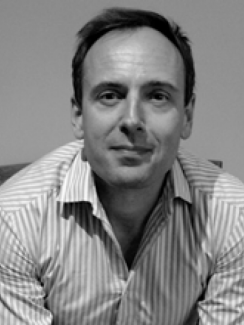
{"x":42,"y":176}
{"x":217,"y":201}
{"x":209,"y":179}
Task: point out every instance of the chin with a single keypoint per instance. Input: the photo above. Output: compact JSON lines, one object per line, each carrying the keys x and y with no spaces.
{"x":129,"y":181}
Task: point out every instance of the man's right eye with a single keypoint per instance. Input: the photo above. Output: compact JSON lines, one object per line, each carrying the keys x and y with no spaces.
{"x":109,"y":98}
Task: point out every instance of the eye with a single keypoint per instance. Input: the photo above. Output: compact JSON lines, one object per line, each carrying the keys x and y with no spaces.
{"x":109,"y":97}
{"x":159,"y":97}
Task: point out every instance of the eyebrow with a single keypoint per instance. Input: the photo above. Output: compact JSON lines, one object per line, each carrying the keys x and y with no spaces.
{"x":106,"y":85}
{"x":161,"y":84}
{"x":120,"y":85}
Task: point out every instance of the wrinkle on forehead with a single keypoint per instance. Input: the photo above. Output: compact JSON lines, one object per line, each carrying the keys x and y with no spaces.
{"x":123,"y":51}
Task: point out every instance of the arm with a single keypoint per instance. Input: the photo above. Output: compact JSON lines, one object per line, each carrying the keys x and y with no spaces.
{"x":21,"y":294}
{"x":224,"y":298}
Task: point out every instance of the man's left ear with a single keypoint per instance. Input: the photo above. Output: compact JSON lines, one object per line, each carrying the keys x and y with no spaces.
{"x":188,"y":118}
{"x":77,"y":119}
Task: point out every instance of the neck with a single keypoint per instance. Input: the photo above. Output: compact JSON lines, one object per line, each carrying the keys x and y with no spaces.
{"x":128,"y":211}
{"x":126,"y":204}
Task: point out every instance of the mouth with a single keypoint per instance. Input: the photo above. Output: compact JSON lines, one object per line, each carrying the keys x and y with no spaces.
{"x":133,"y":149}
{"x":132,"y":155}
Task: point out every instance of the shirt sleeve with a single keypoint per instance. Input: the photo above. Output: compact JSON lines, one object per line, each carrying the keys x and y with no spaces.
{"x":21,"y":293}
{"x":224,"y":298}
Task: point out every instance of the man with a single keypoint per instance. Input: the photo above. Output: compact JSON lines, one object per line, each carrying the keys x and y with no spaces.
{"x":124,"y":227}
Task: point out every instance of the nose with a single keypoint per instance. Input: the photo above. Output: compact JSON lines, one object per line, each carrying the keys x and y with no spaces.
{"x":132,"y":122}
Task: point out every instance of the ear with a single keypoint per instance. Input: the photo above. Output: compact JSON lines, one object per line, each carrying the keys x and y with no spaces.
{"x":188,"y":118}
{"x":77,"y":119}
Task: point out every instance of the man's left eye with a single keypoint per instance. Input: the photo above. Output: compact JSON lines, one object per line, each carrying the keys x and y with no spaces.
{"x":159,"y":97}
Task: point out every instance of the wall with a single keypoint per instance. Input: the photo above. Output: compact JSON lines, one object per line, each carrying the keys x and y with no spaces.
{"x":37,"y":43}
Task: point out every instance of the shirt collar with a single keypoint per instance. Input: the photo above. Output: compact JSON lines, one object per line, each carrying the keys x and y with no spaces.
{"x":79,"y":184}
{"x":180,"y":185}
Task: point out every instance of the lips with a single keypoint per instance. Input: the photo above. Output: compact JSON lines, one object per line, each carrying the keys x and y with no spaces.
{"x":132,"y":148}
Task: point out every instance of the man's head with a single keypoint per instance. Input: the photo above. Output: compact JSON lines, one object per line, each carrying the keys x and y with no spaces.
{"x":122,"y":19}
{"x":131,"y":105}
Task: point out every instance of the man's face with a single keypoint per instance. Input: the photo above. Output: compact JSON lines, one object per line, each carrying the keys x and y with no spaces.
{"x":133,"y":112}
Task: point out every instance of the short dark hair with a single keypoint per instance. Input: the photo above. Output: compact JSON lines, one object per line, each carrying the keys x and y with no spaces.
{"x":122,"y":19}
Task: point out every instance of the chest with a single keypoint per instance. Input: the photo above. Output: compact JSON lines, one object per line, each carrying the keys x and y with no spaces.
{"x":86,"y":277}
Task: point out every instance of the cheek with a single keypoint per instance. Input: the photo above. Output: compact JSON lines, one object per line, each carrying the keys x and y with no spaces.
{"x":98,"y":124}
{"x":168,"y":129}
{"x":93,"y":128}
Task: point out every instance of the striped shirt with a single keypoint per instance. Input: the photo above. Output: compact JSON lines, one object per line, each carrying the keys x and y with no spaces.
{"x":61,"y":264}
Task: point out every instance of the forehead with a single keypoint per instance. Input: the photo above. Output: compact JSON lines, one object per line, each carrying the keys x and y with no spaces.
{"x":138,"y":54}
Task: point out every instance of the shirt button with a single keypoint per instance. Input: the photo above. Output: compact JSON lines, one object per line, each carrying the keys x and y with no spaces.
{"x":143,"y":304}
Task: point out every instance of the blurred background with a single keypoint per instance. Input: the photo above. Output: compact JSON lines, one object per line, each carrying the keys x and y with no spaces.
{"x":37,"y":41}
